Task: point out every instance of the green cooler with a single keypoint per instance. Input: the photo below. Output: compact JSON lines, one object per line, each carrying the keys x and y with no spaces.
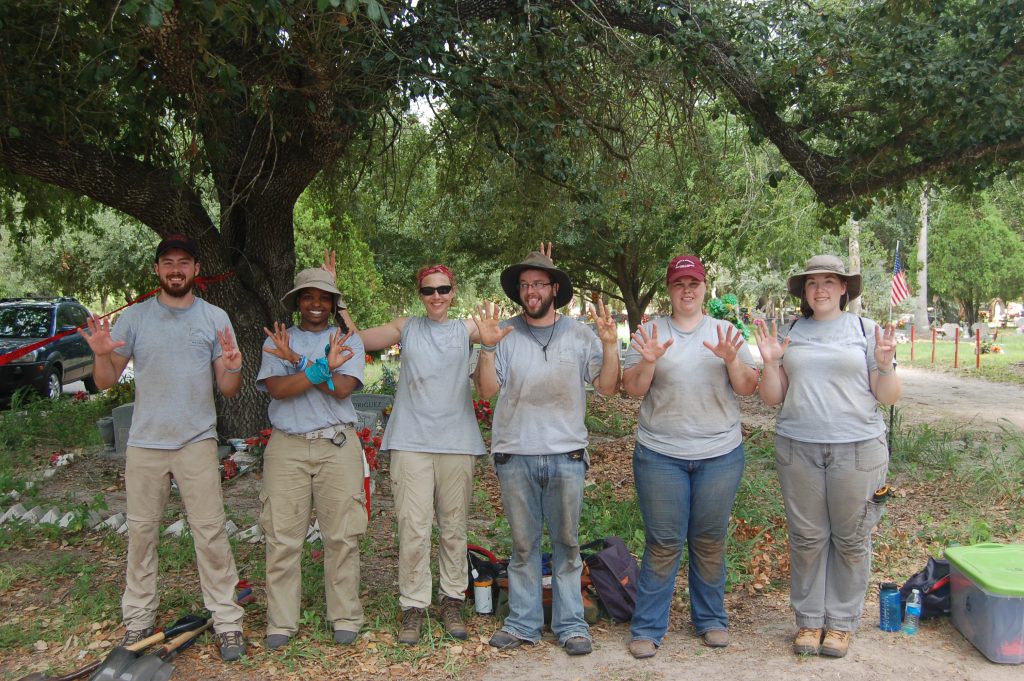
{"x":987,"y":598}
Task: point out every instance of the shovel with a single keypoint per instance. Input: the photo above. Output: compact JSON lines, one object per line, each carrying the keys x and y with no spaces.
{"x":187,"y":623}
{"x":155,"y":666}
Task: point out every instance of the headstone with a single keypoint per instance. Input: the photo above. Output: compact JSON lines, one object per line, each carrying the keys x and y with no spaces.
{"x":949,"y":331}
{"x":122,"y":424}
{"x":986,"y":333}
{"x":372,"y":403}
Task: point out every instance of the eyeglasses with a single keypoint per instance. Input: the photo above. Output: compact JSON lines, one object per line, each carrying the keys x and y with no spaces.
{"x":536,"y":286}
{"x":427,"y":291}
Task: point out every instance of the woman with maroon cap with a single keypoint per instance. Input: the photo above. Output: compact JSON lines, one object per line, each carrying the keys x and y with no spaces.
{"x":434,"y":440}
{"x":688,"y":458}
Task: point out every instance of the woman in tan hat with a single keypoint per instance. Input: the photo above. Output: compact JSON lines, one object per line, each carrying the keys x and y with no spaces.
{"x":829,"y":373}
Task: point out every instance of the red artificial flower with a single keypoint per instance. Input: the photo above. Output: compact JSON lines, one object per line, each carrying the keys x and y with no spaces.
{"x":377,"y":441}
{"x":230,"y":469}
{"x":369,"y":359}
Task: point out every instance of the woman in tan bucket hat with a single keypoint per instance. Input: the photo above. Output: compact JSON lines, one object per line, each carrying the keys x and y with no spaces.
{"x":830,"y":372}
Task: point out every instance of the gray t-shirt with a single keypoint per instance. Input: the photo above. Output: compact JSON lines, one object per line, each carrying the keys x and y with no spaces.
{"x":690,"y":410}
{"x":829,"y":399}
{"x":433,"y":409}
{"x":173,"y":351}
{"x":313,"y":409}
{"x":543,"y":399}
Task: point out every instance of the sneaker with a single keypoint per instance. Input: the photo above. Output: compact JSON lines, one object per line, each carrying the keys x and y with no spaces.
{"x":232,"y":645}
{"x":642,"y":648}
{"x":451,"y":616}
{"x":578,"y":645}
{"x":412,"y":623}
{"x":133,"y":636}
{"x":502,"y":640}
{"x":716,"y":638}
{"x":836,"y":643}
{"x":807,"y":641}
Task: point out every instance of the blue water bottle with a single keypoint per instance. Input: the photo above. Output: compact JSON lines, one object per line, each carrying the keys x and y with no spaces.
{"x":889,"y":606}
{"x":913,"y":616}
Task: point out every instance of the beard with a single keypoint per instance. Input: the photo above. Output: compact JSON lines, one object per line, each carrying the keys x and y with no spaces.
{"x":176,"y":290}
{"x":542,"y":311}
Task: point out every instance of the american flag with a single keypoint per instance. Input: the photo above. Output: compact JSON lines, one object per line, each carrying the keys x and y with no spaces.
{"x":900,"y":291}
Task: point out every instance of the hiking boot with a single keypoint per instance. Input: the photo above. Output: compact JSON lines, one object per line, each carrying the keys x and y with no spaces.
{"x":232,"y":645}
{"x":716,"y":638}
{"x":133,"y":636}
{"x":642,"y":648}
{"x":807,"y":641}
{"x":578,"y":645}
{"x":502,"y":640}
{"x":345,"y":637}
{"x":412,"y":623}
{"x":836,"y":643}
{"x":451,"y":616}
{"x":275,"y":641}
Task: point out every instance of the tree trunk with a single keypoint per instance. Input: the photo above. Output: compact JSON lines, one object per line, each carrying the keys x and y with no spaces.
{"x":921,"y":321}
{"x":855,"y":304}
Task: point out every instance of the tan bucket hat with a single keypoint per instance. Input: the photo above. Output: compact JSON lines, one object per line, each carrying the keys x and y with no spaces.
{"x":313,"y":277}
{"x":536,"y":261}
{"x":825,"y":264}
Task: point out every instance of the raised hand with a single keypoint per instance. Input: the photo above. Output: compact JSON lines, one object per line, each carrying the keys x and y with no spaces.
{"x":281,"y":347}
{"x":647,"y":344}
{"x":607,"y":329}
{"x":98,"y":338}
{"x":229,"y":352}
{"x":330,"y":262}
{"x":885,"y":346}
{"x":768,"y":341}
{"x":337,"y":352}
{"x":487,"y":317}
{"x":728,"y":345}
{"x":545,"y":251}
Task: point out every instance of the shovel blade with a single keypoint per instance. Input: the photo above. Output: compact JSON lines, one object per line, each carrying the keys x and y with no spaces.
{"x":163,"y":673}
{"x":142,"y":669}
{"x":117,"y":661}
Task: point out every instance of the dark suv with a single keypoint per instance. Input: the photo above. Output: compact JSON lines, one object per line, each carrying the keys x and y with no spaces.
{"x":45,"y":370}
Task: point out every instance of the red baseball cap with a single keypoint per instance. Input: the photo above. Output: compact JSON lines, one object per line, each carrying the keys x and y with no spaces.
{"x":685,"y":266}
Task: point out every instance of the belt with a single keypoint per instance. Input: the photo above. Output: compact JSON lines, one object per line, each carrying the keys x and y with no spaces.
{"x":325,"y":433}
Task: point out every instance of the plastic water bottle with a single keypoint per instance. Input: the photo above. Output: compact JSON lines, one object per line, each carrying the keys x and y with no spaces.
{"x":913,"y":616}
{"x":889,"y":606}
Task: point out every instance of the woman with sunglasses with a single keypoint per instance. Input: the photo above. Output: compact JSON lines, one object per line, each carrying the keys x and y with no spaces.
{"x":434,"y":440}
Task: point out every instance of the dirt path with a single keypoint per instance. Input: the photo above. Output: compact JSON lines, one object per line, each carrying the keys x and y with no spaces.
{"x":762,"y":626}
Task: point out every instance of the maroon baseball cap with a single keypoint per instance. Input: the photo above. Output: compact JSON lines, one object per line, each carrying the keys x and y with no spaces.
{"x":685,"y":266}
{"x":172,"y":241}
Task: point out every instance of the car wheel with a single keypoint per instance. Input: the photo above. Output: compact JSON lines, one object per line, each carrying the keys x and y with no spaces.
{"x":90,"y":385}
{"x":54,"y":389}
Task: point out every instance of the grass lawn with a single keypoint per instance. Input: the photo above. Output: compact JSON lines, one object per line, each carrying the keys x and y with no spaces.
{"x":1006,"y":366}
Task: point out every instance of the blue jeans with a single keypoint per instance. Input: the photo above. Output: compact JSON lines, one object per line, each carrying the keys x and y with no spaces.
{"x":534,"y":490}
{"x":683,"y":502}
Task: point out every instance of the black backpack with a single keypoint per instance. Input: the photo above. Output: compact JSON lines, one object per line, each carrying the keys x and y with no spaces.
{"x":933,"y":583}
{"x":614,"y":573}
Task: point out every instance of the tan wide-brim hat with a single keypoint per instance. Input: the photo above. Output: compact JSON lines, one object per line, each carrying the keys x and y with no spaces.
{"x":825,"y":264}
{"x":536,"y":261}
{"x":312,"y":278}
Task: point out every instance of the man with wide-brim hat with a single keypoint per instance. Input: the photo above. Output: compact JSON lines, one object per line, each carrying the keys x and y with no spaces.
{"x":540,"y":360}
{"x":825,"y":264}
{"x":313,"y":458}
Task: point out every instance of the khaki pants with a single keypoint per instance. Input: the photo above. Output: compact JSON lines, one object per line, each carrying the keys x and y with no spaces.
{"x":425,"y":485}
{"x":298,"y":474}
{"x":148,"y":484}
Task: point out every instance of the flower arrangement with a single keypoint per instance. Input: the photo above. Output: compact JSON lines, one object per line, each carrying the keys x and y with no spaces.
{"x":257,"y":445}
{"x":482,"y":409}
{"x":728,"y":308}
{"x":371,"y":447}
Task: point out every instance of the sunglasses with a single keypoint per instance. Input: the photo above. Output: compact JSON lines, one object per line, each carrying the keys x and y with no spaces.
{"x":427,"y":291}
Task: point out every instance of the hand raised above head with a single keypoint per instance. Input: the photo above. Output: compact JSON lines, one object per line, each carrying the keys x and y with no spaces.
{"x":545,"y":251}
{"x":330,"y":262}
{"x":647,"y":344}
{"x":487,"y":319}
{"x":98,"y":338}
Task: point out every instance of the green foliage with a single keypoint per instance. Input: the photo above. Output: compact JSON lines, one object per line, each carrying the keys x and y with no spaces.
{"x":728,"y":308}
{"x":31,"y":430}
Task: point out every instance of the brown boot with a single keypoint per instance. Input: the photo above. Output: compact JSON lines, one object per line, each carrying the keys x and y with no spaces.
{"x":412,"y":623}
{"x":451,"y":616}
{"x":836,"y":643}
{"x":807,"y":641}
